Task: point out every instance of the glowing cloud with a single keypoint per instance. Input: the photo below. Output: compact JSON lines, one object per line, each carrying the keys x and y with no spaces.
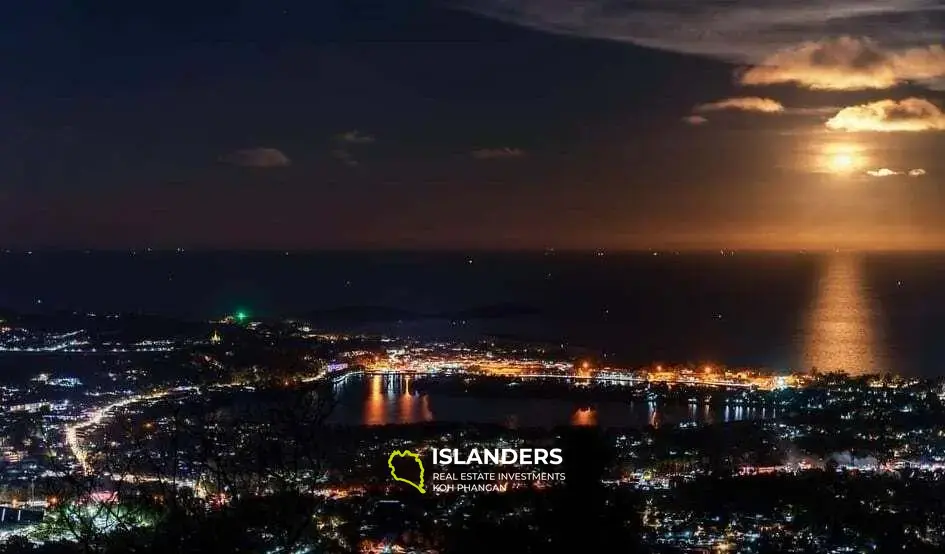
{"x":886,"y":172}
{"x":746,"y":104}
{"x":695,"y":120}
{"x":909,"y":115}
{"x":883,"y":172}
{"x":847,"y":63}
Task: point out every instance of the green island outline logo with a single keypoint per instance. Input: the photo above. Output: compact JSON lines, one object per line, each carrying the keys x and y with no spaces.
{"x":393,"y":472}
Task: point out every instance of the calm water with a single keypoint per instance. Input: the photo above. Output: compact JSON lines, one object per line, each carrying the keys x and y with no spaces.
{"x":784,"y":311}
{"x":390,"y":399}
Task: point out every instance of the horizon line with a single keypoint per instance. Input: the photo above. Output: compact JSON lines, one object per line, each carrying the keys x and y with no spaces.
{"x":456,"y":250}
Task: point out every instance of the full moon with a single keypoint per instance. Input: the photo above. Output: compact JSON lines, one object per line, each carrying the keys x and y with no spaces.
{"x":842,"y":159}
{"x":842,"y":162}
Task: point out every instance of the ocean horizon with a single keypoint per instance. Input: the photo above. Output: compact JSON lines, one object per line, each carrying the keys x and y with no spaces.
{"x":849,"y":311}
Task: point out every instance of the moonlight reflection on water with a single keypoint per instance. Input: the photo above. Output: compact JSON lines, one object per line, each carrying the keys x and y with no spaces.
{"x":843,"y":331}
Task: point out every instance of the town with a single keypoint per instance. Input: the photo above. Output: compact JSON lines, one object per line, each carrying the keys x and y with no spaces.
{"x":107,"y":441}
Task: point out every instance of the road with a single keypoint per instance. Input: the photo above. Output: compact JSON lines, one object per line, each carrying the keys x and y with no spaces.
{"x":95,"y":417}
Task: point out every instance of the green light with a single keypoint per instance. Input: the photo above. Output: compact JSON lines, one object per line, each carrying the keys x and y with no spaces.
{"x":241,"y":316}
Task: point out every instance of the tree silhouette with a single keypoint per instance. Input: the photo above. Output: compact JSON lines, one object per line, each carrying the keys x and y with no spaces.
{"x":585,"y":513}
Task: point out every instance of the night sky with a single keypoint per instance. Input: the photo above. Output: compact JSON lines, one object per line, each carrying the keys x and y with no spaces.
{"x":472,"y":124}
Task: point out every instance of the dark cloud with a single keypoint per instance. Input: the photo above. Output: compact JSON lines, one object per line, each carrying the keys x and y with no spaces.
{"x":346,"y":143}
{"x":739,"y":32}
{"x":257,"y":157}
{"x":497,"y":153}
{"x":355,"y":137}
{"x":344,"y":157}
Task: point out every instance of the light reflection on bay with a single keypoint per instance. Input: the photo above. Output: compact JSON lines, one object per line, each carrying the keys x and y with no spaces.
{"x":584,"y":417}
{"x":392,"y":399}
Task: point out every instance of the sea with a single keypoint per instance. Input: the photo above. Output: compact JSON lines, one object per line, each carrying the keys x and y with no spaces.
{"x":855,"y":312}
